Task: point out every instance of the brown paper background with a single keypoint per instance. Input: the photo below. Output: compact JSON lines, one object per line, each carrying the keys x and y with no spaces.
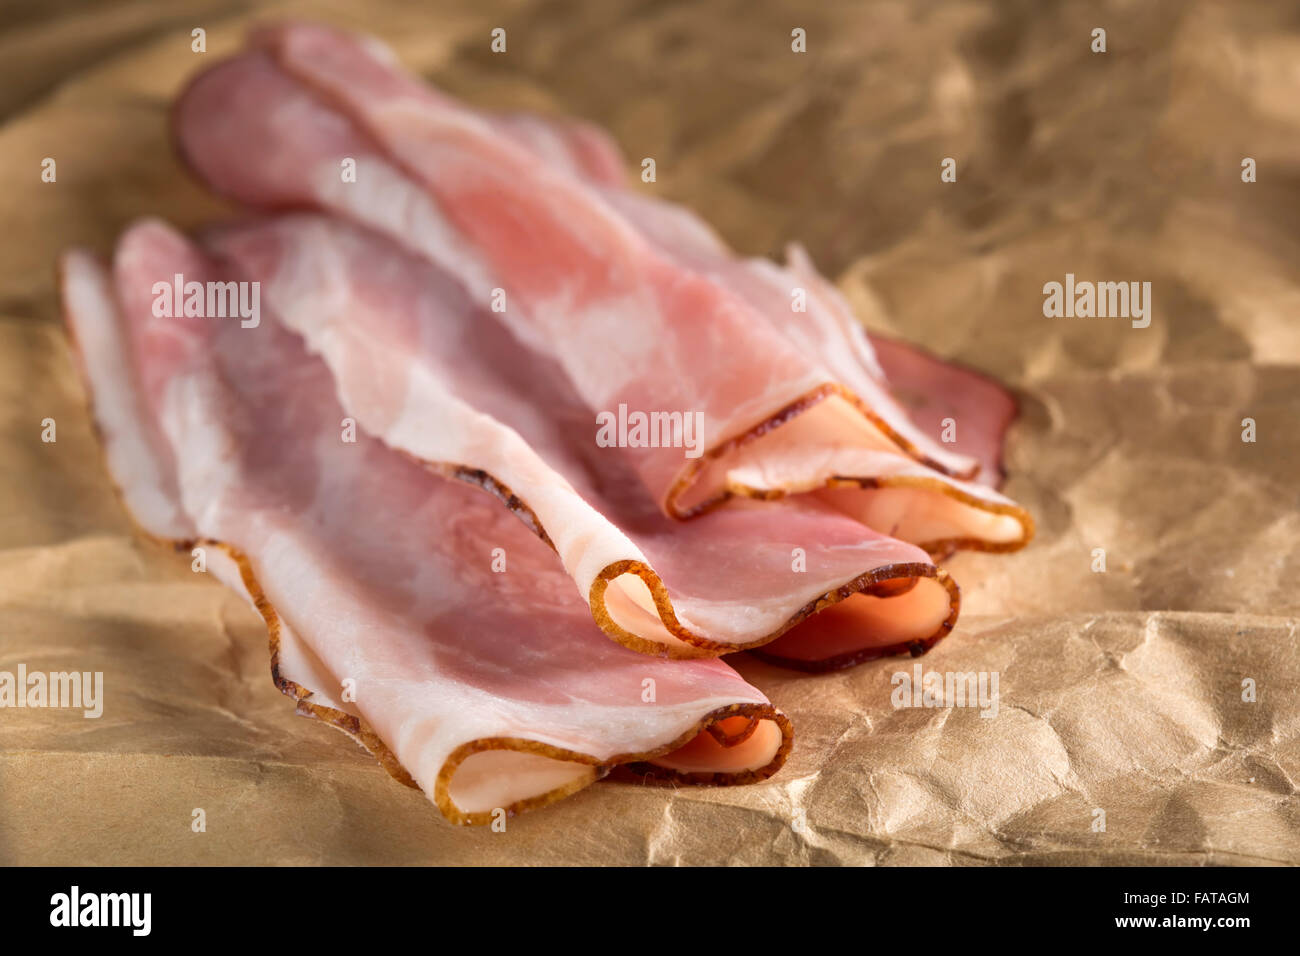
{"x":1119,"y":691}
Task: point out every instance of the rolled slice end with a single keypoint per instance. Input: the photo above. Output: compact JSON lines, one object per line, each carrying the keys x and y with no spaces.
{"x":868,"y":625}
{"x":831,"y":450}
{"x":894,"y":609}
{"x":488,"y":779}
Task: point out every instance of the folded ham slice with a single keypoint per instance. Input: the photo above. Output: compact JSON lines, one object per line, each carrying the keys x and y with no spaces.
{"x":926,"y":389}
{"x":639,"y":307}
{"x":434,"y":376}
{"x":959,"y":514}
{"x":412,"y":612}
{"x":934,"y":391}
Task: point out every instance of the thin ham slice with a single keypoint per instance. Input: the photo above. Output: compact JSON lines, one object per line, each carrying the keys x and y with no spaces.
{"x":423,"y":368}
{"x":623,"y":300}
{"x":923,"y":386}
{"x":494,"y":692}
{"x":934,"y":390}
{"x":905,"y":498}
{"x":922,"y":390}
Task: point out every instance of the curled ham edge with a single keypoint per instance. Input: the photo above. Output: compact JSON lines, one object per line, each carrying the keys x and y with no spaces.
{"x":311,"y":269}
{"x":869,"y":479}
{"x":737,"y":743}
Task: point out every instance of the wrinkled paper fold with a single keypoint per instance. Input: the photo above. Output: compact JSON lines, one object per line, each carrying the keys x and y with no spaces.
{"x":1123,"y":729}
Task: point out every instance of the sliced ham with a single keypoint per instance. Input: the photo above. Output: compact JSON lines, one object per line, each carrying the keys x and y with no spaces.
{"x":899,"y":384}
{"x":638,"y":306}
{"x":490,"y":689}
{"x":433,"y":375}
{"x":934,"y":391}
{"x":580,"y":149}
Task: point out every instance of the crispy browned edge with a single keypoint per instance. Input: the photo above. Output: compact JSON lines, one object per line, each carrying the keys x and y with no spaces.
{"x":689,"y":472}
{"x":359,"y":730}
{"x":842,"y":661}
{"x":631,"y":766}
{"x":730,"y":740}
{"x":880,"y":581}
{"x":441,"y":797}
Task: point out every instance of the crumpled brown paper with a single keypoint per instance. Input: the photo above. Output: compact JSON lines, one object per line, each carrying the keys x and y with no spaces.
{"x":1120,"y":692}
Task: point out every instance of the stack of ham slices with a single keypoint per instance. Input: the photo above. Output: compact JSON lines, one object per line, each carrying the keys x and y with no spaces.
{"x":398,"y":464}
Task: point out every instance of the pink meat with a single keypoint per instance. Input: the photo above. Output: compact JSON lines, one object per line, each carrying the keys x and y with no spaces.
{"x":934,"y":391}
{"x":630,"y":319}
{"x":431,"y":374}
{"x":486,"y":683}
